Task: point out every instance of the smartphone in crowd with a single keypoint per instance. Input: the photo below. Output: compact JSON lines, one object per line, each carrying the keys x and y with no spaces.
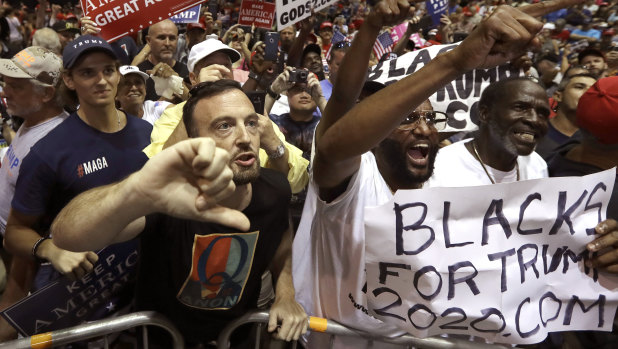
{"x":424,"y":22}
{"x":257,"y":98}
{"x":213,"y":8}
{"x":271,"y":40}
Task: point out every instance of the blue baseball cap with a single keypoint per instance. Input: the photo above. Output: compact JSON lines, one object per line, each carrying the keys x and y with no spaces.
{"x":83,"y":44}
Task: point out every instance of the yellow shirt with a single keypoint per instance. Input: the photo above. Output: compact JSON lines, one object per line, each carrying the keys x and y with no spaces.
{"x":163,"y":128}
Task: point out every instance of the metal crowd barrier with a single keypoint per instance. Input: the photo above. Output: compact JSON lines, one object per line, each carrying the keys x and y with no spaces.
{"x":100,"y":328}
{"x":333,"y":329}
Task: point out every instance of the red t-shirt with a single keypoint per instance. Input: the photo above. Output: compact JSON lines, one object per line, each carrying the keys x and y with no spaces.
{"x":562,"y":36}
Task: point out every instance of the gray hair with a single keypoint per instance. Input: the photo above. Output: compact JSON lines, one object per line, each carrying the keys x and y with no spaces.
{"x":39,"y":89}
{"x":47,"y":37}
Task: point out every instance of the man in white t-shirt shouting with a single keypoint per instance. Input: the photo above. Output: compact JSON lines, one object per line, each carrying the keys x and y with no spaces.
{"x":351,"y":168}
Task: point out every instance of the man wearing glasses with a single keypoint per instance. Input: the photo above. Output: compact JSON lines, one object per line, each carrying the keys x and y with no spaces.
{"x":352,"y":168}
{"x":355,"y":166}
{"x":513,"y":117}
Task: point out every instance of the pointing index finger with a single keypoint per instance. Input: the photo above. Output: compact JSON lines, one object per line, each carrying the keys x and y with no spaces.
{"x":544,"y":7}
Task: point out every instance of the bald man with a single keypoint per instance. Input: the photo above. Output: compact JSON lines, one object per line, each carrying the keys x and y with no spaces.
{"x":163,"y":39}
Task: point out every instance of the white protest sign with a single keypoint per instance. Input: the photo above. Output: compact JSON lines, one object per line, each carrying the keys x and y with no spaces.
{"x":290,"y":12}
{"x":504,"y":262}
{"x":458,"y":99}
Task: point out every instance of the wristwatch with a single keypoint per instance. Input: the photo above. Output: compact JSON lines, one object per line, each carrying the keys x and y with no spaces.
{"x":279,"y":152}
{"x":253,"y":75}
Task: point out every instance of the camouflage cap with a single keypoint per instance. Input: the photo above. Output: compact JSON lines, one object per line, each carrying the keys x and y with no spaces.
{"x":61,"y":26}
{"x":34,"y":62}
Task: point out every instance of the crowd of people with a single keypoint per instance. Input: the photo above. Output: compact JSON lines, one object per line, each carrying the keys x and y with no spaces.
{"x":244,"y":178}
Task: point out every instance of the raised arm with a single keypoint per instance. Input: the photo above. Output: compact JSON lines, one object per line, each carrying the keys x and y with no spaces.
{"x":400,"y":47}
{"x":296,"y":51}
{"x":40,"y":14}
{"x":347,"y":88}
{"x":184,"y":181}
{"x":502,"y":36}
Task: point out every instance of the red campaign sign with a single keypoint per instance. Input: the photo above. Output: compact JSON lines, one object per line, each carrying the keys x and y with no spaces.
{"x":124,"y":17}
{"x":260,"y":13}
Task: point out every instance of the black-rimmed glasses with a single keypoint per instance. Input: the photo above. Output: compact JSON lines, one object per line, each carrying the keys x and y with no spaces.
{"x":437,"y":119}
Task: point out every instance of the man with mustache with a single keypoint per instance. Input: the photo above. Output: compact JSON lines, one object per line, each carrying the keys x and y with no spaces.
{"x":513,"y":117}
{"x":201,"y":258}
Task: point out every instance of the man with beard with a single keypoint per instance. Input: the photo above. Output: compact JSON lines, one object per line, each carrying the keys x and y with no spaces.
{"x":594,"y":60}
{"x":353,"y":168}
{"x":286,"y":39}
{"x":203,"y":202}
{"x":209,"y":61}
{"x":513,"y":116}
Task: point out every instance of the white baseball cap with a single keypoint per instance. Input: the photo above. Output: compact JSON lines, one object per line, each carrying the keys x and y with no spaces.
{"x":208,"y":47}
{"x":550,"y":26}
{"x":131,"y":69}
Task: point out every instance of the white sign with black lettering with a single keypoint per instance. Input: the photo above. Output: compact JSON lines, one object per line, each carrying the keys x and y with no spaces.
{"x":504,"y":262}
{"x":459,"y":98}
{"x":290,"y":12}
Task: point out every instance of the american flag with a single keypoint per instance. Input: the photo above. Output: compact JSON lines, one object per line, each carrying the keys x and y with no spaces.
{"x":384,"y":44}
{"x":337,"y":37}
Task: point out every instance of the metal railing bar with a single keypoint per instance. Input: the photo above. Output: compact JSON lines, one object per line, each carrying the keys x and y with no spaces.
{"x":103,"y":327}
{"x":335,"y":329}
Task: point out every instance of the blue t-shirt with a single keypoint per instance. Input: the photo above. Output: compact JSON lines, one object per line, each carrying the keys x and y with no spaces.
{"x":73,"y":158}
{"x":590,"y":33}
{"x":327,"y":88}
{"x":553,"y":16}
{"x":297,"y":133}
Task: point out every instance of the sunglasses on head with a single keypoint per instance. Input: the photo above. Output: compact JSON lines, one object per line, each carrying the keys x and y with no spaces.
{"x":342,"y":44}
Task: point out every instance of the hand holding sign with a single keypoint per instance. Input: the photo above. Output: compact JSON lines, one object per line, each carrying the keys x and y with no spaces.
{"x":208,"y":22}
{"x":606,"y":245}
{"x":510,"y":276}
{"x":74,"y":265}
{"x":504,"y":35}
{"x":89,"y":27}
